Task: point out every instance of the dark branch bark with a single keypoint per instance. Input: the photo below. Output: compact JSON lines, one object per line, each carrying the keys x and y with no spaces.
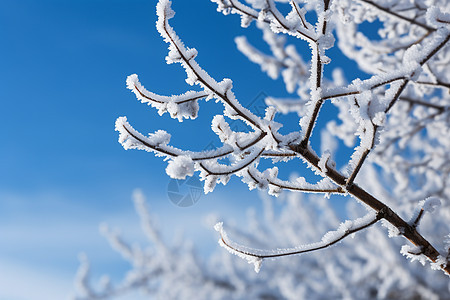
{"x":393,"y":13}
{"x":319,"y":247}
{"x":384,"y":211}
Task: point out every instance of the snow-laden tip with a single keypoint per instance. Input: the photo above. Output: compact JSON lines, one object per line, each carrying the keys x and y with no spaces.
{"x":132,"y":81}
{"x":225,"y":242}
{"x":428,"y":205}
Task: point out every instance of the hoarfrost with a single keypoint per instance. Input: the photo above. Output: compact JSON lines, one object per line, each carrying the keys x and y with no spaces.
{"x":428,"y":205}
{"x":180,"y":167}
{"x":225,"y":242}
{"x":399,"y":114}
{"x":413,"y":253}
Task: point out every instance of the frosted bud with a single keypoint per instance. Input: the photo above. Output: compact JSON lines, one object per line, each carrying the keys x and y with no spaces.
{"x":172,"y":108}
{"x":323,"y":161}
{"x":180,"y":167}
{"x":191,"y":78}
{"x":262,"y":15}
{"x":189,"y":109}
{"x":191,"y":53}
{"x":120,"y":125}
{"x":274,"y":190}
{"x":226,"y":84}
{"x":257,"y":264}
{"x":364,"y":97}
{"x":163,"y":8}
{"x":219,"y":227}
{"x":221,"y":128}
{"x":245,"y":21}
{"x":210,"y":183}
{"x":132,"y":81}
{"x":270,"y":113}
{"x":173,"y":56}
{"x":224,"y":179}
{"x":230,"y":112}
{"x":325,"y":59}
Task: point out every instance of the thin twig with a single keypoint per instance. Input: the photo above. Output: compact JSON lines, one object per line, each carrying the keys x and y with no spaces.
{"x":311,"y":247}
{"x":398,"y":16}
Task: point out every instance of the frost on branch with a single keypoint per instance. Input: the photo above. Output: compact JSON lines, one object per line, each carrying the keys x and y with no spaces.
{"x":180,"y":167}
{"x":367,"y":265}
{"x":414,"y":254}
{"x":179,"y":107}
{"x":243,"y":150}
{"x":285,"y":60}
{"x":256,"y":256}
{"x":400,"y":114}
{"x":229,"y":245}
{"x":427,"y":205}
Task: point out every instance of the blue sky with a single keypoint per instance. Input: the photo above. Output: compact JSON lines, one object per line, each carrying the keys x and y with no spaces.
{"x":62,"y":171}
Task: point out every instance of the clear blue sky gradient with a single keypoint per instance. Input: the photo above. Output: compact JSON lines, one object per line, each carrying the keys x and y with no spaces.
{"x":62,"y":172}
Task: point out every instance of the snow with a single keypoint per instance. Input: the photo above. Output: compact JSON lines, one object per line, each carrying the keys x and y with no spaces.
{"x":222,"y":129}
{"x":255,"y":256}
{"x":348,"y":226}
{"x":403,"y":62}
{"x":440,"y":261}
{"x":392,"y":230}
{"x":160,"y":138}
{"x":413,"y":253}
{"x":323,"y":161}
{"x":436,"y":17}
{"x":428,"y":205}
{"x":227,"y":244}
{"x":179,"y":106}
{"x":210,"y":182}
{"x":180,"y":167}
{"x":379,"y":118}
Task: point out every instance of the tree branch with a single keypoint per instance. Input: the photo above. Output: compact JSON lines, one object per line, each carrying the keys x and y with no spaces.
{"x":398,"y":16}
{"x":384,"y":211}
{"x":345,"y":229}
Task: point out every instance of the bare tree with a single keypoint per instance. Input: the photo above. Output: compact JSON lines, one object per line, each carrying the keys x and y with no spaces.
{"x":400,"y":115}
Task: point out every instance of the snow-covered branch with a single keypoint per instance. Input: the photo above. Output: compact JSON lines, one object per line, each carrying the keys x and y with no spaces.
{"x":367,"y":265}
{"x":256,"y":256}
{"x":400,"y":113}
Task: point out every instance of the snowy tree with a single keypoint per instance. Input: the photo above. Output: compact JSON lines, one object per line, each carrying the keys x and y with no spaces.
{"x":366,"y":266}
{"x":399,"y":167}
